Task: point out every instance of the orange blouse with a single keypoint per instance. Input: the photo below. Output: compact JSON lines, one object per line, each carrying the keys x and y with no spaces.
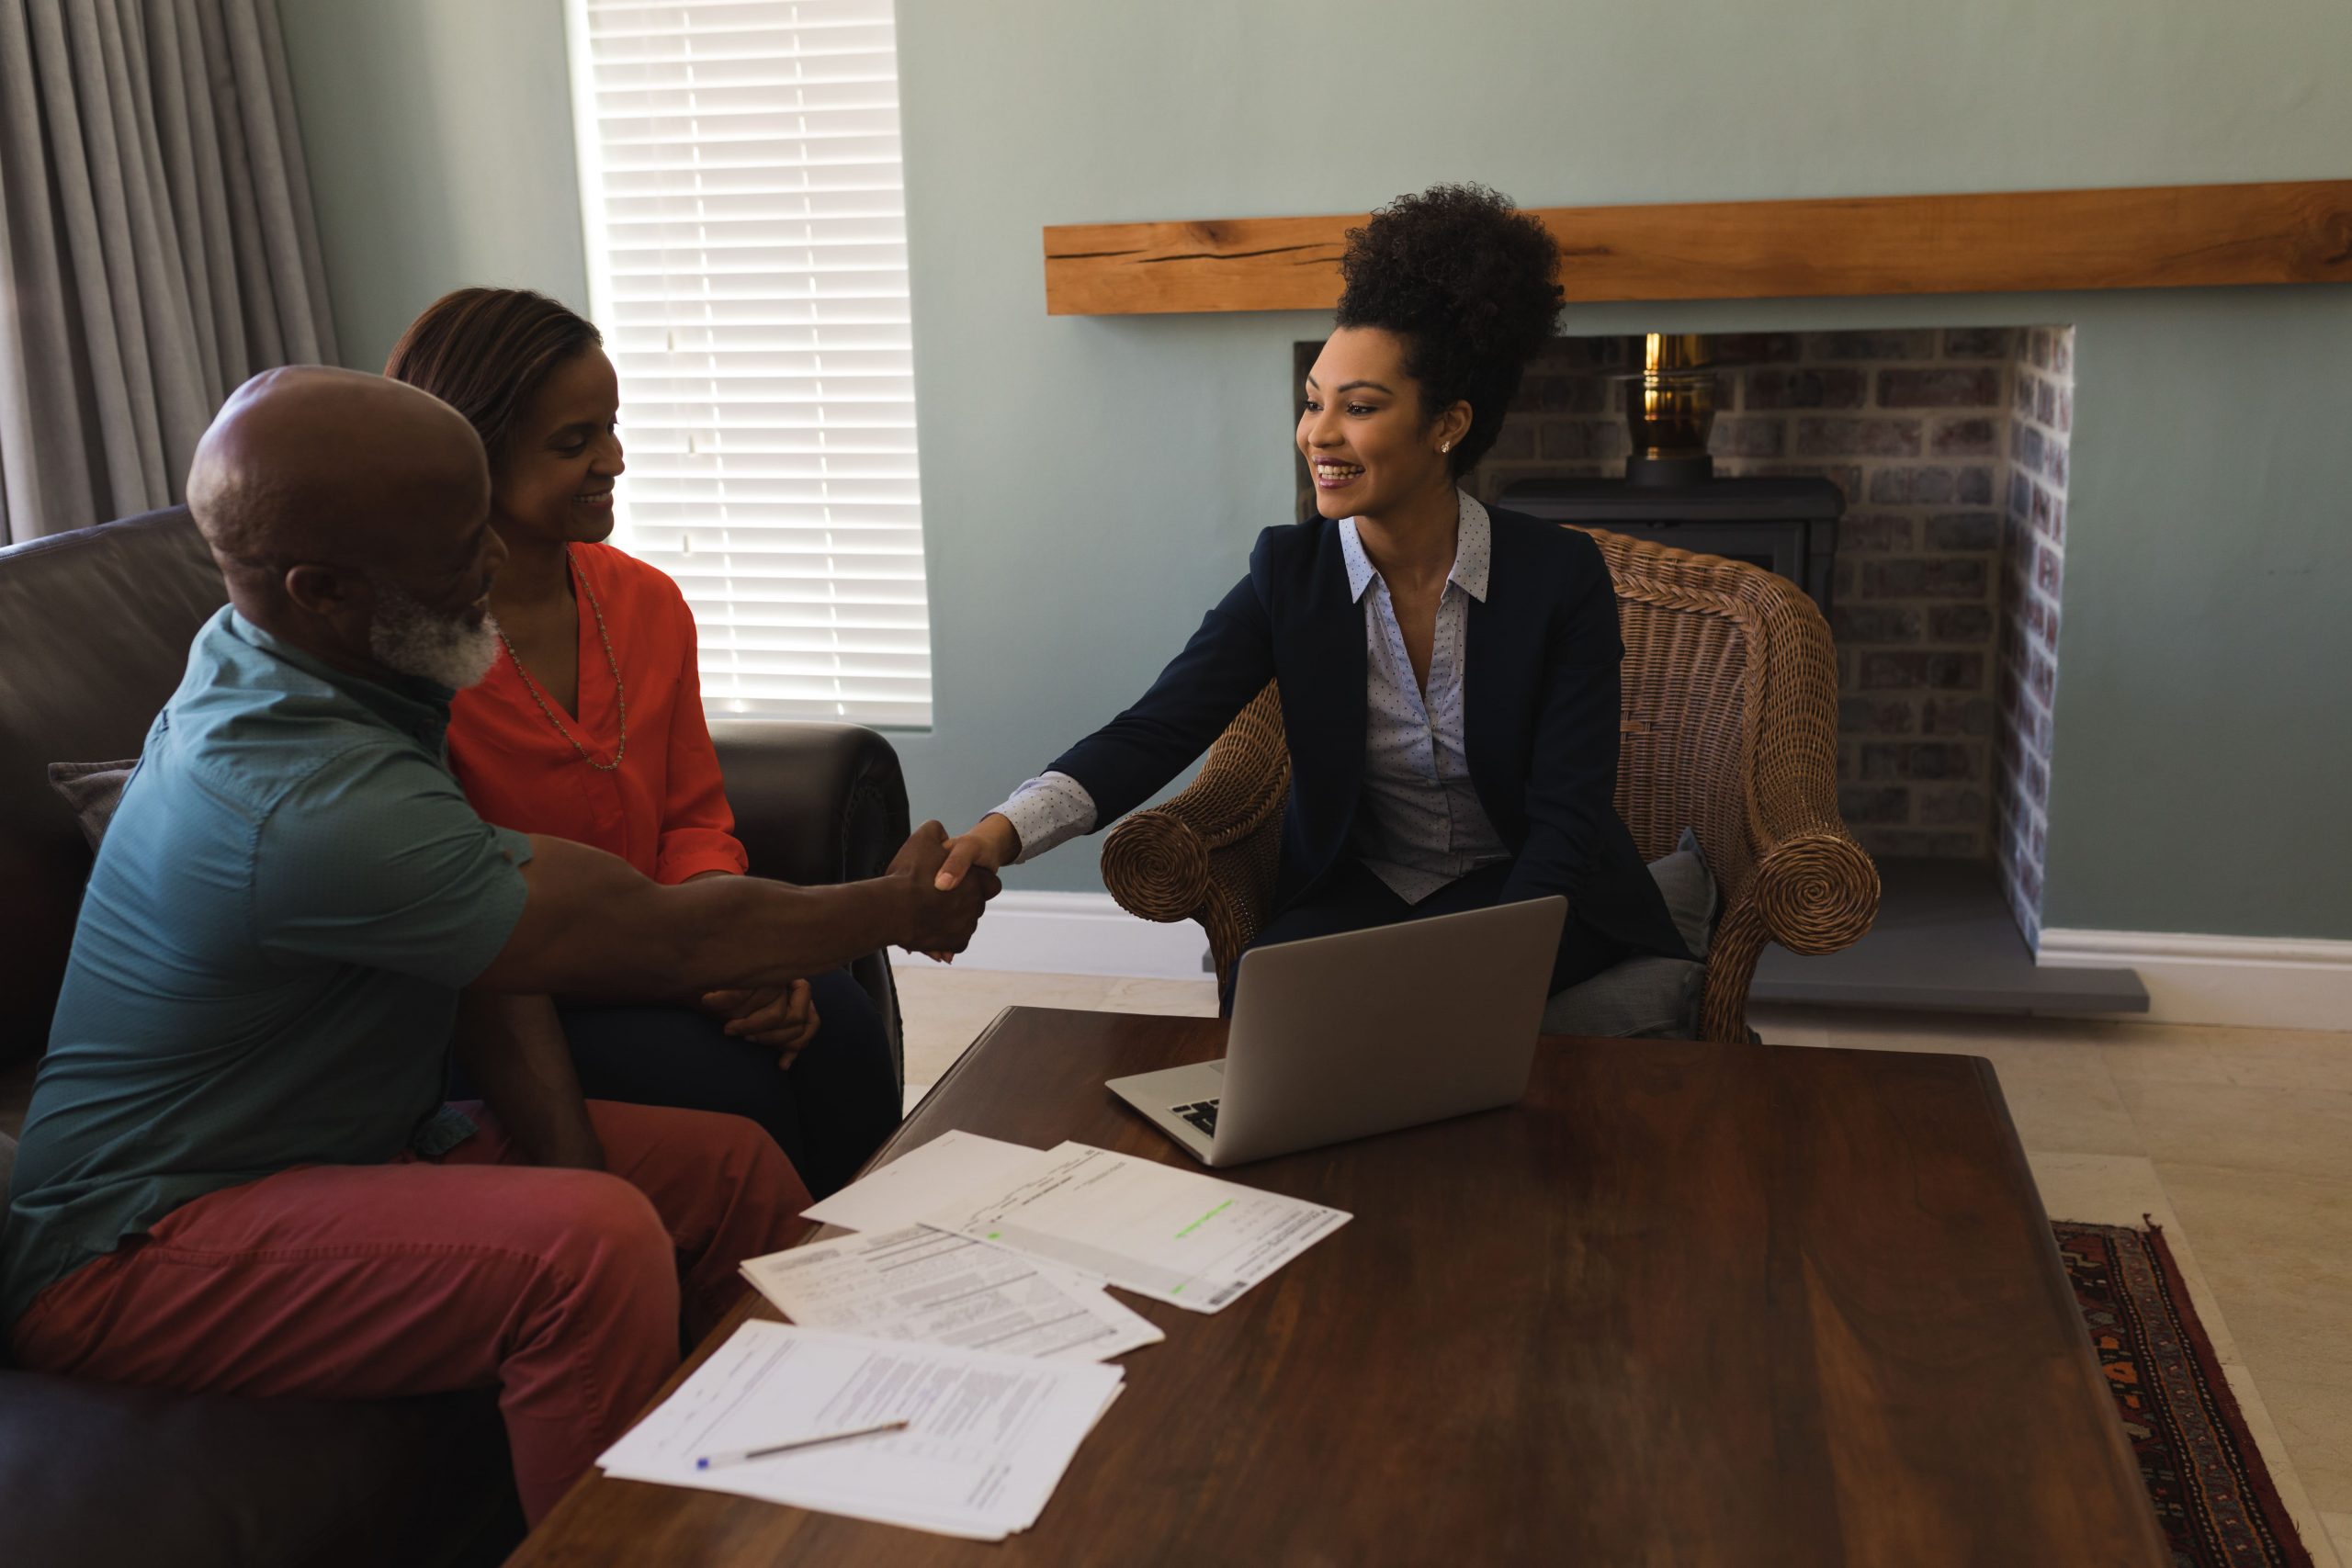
{"x":665,"y":809}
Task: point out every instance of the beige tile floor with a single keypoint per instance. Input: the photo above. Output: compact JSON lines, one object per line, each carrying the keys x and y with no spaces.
{"x":2237,"y":1141}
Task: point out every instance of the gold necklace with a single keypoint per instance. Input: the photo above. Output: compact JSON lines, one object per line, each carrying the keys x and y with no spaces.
{"x":620,"y":697}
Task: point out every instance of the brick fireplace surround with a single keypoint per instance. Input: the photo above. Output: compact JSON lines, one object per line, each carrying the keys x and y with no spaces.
{"x":1950,"y":448}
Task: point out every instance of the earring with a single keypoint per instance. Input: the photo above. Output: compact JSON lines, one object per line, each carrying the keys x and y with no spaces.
{"x":1444,"y":446}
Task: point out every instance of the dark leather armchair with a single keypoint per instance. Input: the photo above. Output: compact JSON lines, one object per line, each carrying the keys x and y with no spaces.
{"x":95,"y":627}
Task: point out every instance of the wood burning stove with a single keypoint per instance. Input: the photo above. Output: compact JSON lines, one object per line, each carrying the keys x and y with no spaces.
{"x":1785,"y":526}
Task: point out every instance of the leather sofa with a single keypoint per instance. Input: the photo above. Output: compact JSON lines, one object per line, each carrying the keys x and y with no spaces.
{"x":95,"y":627}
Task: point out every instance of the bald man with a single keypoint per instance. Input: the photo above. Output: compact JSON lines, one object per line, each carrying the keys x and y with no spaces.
{"x":237,"y":1174}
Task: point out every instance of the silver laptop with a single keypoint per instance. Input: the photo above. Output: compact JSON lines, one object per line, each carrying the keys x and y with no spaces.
{"x":1337,"y":1037}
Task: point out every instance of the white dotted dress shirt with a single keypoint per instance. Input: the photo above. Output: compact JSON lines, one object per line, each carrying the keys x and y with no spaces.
{"x":1420,"y":826}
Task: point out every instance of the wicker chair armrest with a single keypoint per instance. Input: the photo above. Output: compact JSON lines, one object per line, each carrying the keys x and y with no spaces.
{"x":1209,"y":843}
{"x":1156,"y":866}
{"x":1799,"y":879}
{"x":1816,"y":890}
{"x":1813,"y":889}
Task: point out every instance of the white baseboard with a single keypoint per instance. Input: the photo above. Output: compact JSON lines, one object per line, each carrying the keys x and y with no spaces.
{"x":2256,"y":981}
{"x":1077,"y":933}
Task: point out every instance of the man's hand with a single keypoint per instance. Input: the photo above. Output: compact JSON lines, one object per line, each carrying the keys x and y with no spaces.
{"x":782,"y":1019}
{"x":514,"y":1049}
{"x":942,"y":914}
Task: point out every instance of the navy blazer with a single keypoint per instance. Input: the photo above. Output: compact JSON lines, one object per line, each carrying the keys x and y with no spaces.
{"x":1541,"y":702}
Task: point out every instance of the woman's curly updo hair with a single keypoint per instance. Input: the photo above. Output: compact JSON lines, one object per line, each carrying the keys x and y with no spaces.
{"x":485,"y":352}
{"x":1469,"y":282}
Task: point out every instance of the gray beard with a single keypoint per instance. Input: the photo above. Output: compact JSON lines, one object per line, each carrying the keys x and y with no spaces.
{"x":407,"y":635}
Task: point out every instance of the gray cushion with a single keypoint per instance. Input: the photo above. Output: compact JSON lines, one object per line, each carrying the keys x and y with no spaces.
{"x":92,"y":790}
{"x":1690,"y":890}
{"x":1647,"y":996}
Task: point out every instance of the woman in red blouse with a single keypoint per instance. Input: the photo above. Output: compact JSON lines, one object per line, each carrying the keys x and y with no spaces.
{"x":590,"y":727}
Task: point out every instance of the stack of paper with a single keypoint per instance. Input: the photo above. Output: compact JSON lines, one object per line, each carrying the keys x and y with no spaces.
{"x":928,"y":1285}
{"x":1174,"y":1236}
{"x":988,"y":1437}
{"x":919,"y":1181}
{"x":972,"y":1305}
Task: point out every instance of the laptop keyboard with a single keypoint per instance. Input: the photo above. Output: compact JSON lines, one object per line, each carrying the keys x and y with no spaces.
{"x":1201,"y":1114}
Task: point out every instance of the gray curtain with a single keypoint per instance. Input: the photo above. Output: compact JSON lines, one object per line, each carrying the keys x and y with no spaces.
{"x":156,"y":244}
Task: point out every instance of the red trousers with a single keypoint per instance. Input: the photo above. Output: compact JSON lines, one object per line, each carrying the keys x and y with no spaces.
{"x":561,"y":1288}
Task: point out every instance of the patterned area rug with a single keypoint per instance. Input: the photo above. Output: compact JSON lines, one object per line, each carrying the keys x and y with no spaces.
{"x":2213,"y":1496}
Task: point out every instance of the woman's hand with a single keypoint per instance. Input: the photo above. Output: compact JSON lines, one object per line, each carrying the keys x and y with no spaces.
{"x":990,"y":843}
{"x":784,"y":1020}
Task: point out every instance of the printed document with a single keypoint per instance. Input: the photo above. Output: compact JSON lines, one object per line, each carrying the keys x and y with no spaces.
{"x":988,"y":1435}
{"x":941,"y":1171}
{"x":1174,"y":1236}
{"x":942,"y":1289}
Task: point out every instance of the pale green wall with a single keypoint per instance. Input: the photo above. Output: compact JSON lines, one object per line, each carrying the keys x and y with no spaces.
{"x":1091,"y":485}
{"x":440,"y":145}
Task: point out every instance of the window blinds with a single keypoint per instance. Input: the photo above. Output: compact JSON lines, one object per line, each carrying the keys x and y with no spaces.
{"x":746,"y":218}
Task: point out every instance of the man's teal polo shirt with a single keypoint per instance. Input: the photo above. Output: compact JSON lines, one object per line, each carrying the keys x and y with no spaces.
{"x":265,"y":974}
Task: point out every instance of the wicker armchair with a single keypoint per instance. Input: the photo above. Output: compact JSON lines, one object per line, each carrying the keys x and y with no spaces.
{"x":1730,"y":728}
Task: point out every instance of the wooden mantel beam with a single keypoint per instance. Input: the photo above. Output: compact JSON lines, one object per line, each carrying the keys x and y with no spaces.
{"x":2009,"y":241}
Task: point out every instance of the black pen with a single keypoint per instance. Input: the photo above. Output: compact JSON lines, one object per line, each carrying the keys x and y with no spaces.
{"x":737,"y":1456}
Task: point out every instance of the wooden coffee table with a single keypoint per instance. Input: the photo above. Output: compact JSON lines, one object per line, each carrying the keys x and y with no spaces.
{"x":1688,"y":1304}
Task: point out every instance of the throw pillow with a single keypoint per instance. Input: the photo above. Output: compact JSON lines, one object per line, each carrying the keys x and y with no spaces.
{"x":92,"y":790}
{"x":1690,"y":890}
{"x":1647,"y":996}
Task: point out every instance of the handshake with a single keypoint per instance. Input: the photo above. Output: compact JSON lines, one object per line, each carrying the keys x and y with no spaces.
{"x":949,"y":881}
